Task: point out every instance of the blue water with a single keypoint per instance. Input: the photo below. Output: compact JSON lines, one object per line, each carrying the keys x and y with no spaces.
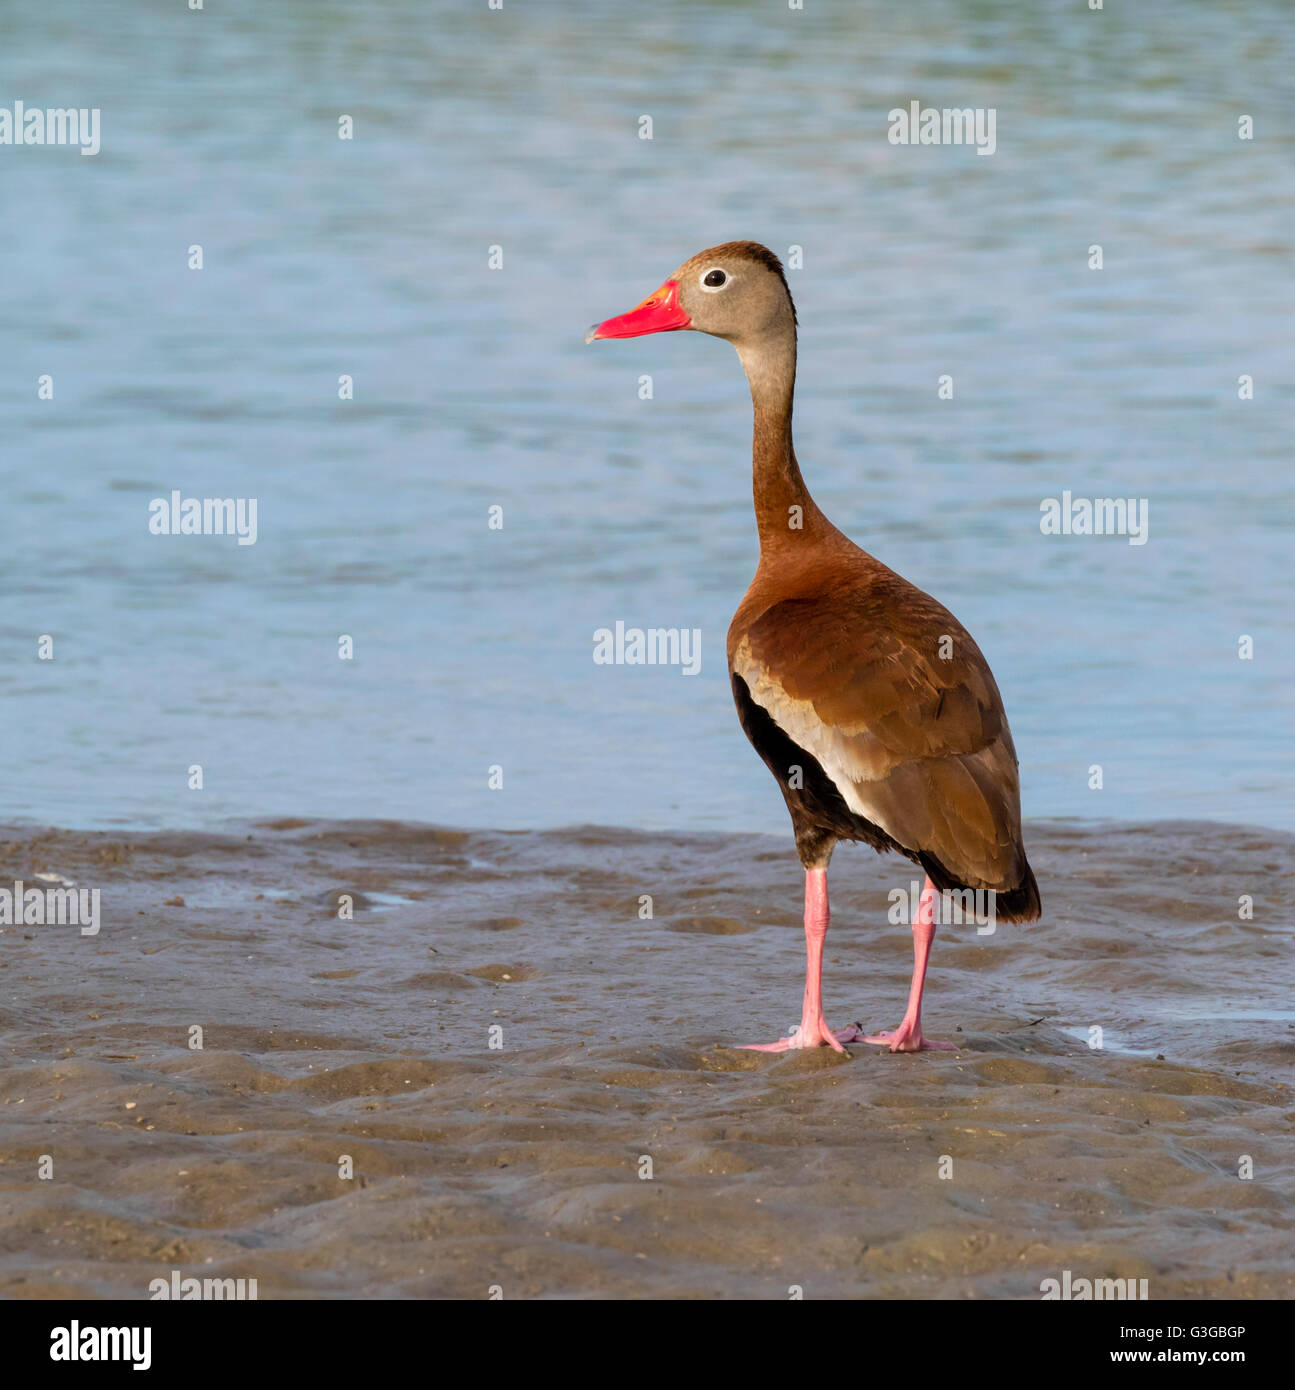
{"x":473,"y":388}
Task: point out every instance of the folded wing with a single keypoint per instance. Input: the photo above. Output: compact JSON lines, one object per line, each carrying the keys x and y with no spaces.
{"x":892,"y":698}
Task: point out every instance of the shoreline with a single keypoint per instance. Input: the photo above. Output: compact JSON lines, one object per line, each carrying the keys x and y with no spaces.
{"x":12,"y":827}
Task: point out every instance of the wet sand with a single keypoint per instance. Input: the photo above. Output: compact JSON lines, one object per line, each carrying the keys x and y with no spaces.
{"x":519,"y":1165}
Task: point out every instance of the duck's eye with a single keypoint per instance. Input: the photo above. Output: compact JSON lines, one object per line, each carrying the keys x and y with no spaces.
{"x":713,"y":279}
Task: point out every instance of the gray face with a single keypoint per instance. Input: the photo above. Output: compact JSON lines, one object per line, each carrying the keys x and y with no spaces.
{"x":730,"y":296}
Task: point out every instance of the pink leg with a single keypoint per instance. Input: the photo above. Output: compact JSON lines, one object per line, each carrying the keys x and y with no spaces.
{"x":813,"y":1030}
{"x":908,"y":1036}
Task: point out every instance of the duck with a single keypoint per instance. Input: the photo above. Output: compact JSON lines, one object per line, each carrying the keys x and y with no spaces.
{"x":868,"y":701}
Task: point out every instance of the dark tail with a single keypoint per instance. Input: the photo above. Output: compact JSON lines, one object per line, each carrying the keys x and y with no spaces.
{"x":1020,"y":904}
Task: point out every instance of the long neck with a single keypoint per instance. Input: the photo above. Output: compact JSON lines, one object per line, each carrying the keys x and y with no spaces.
{"x":778,"y":487}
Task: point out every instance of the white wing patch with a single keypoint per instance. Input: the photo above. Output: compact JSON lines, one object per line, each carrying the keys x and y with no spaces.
{"x":850,"y":760}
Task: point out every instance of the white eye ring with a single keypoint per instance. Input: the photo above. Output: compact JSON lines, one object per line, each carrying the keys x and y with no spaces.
{"x":715,"y":289}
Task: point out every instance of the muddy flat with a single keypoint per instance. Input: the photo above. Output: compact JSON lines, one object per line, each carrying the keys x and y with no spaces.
{"x":535,"y":1084}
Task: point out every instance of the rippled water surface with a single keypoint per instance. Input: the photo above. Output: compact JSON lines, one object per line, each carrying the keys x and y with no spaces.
{"x":473,"y":388}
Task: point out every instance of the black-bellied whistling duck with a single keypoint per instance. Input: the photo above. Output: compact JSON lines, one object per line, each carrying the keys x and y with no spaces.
{"x":867,"y":699}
